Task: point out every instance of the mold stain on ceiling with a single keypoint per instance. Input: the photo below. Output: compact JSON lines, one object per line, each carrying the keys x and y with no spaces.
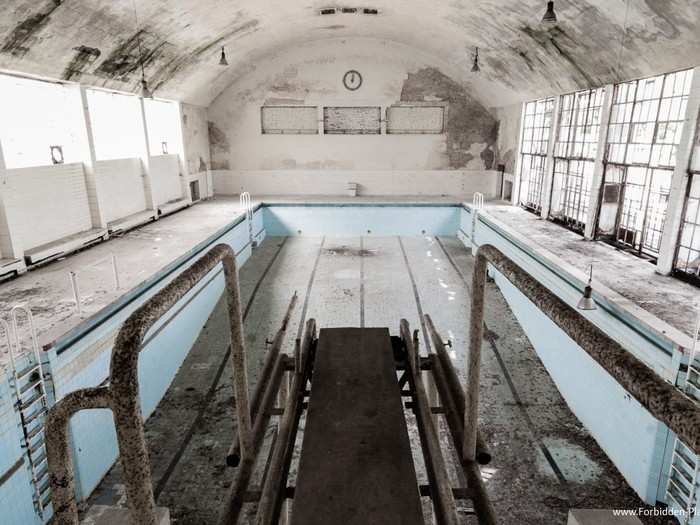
{"x":99,"y":42}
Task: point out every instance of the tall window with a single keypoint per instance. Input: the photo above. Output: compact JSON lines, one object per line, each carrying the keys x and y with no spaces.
{"x":115,"y":124}
{"x":163,"y":125}
{"x":537,"y":124}
{"x":40,"y":123}
{"x":574,"y":155}
{"x":646,"y":123}
{"x":688,"y":255}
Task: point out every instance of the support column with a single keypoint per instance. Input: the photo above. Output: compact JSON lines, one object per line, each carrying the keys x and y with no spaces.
{"x":183,"y":156}
{"x":679,"y":182}
{"x":145,"y":156}
{"x":95,"y":198}
{"x":547,"y":179}
{"x":599,"y":169}
{"x":515,"y":197}
{"x":10,"y":244}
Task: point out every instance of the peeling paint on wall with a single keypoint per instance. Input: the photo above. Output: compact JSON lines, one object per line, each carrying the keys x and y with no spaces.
{"x":470,"y":127}
{"x":219,"y":145}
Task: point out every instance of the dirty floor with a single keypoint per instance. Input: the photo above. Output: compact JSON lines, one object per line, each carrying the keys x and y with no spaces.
{"x":544,"y":461}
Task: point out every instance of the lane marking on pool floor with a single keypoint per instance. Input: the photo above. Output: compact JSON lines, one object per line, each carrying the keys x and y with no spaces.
{"x":162,"y":482}
{"x":362,"y":282}
{"x":511,"y":385}
{"x":308,"y":289}
{"x":416,"y":296}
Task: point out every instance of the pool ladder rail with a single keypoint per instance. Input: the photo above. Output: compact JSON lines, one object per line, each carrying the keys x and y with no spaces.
{"x":32,"y":404}
{"x":247,"y":205}
{"x":681,"y":489}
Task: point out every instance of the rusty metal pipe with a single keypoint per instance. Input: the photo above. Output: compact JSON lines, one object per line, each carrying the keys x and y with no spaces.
{"x":441,"y":488}
{"x":237,"y":498}
{"x":273,"y":492}
{"x":58,"y":449}
{"x":233,"y":457}
{"x":663,"y":400}
{"x":448,"y":376}
{"x":122,"y":394}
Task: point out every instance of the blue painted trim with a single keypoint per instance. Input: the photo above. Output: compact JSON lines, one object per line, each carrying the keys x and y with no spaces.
{"x":69,"y":338}
{"x":363,"y":204}
{"x":626,"y":318}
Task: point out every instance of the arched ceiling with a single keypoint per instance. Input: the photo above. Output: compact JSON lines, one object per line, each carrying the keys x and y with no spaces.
{"x":96,"y":41}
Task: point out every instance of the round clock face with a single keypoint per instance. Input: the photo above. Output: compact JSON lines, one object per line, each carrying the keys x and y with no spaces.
{"x":352,"y":80}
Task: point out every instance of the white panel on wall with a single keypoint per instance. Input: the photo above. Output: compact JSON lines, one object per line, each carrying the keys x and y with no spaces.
{"x":415,"y":119}
{"x":48,"y":202}
{"x":121,"y":183}
{"x":165,"y":177}
{"x":352,"y":121}
{"x":291,"y":120}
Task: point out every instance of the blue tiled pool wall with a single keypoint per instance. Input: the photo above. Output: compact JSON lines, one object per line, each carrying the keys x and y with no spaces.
{"x":635,"y":442}
{"x":83,"y":361}
{"x":639,"y":445}
{"x":367,"y":219}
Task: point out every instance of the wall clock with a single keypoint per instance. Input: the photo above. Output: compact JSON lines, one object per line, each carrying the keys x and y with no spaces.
{"x":352,"y":80}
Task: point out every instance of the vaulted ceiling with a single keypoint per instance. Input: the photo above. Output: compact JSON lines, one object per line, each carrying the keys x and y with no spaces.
{"x":596,"y":41}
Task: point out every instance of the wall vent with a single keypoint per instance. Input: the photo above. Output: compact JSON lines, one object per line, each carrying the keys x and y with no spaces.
{"x":349,"y":10}
{"x":328,"y":11}
{"x":370,"y":11}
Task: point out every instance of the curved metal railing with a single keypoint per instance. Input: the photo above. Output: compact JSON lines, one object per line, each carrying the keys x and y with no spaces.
{"x":121,"y":396}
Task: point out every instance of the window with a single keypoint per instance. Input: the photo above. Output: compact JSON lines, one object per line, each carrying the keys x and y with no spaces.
{"x":293,"y":120}
{"x":37,"y":120}
{"x":574,"y":155}
{"x":537,"y":124}
{"x":688,"y":254}
{"x":163,"y":123}
{"x":352,"y":121}
{"x":116,"y":127}
{"x":409,"y":120}
{"x":646,"y":123}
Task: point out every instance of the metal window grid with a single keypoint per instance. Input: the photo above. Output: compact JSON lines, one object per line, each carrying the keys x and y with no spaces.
{"x":688,"y":255}
{"x":537,"y":125}
{"x":646,"y":123}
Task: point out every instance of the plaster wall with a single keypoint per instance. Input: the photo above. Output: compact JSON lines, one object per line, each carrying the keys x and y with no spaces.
{"x":311,"y":75}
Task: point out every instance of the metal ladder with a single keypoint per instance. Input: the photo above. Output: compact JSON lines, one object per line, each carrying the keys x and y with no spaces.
{"x":683,"y":472}
{"x":32,"y":405}
{"x":247,"y":206}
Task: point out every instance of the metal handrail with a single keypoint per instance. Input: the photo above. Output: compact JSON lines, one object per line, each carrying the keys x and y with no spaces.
{"x":73,"y":276}
{"x":122,"y":396}
{"x":246,"y":204}
{"x":32,"y":332}
{"x":663,"y":400}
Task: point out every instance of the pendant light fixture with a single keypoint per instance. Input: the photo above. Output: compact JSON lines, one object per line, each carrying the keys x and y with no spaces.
{"x":475,"y":67}
{"x":222,"y":60}
{"x":144,"y":92}
{"x":586,"y":302}
{"x":550,"y":17}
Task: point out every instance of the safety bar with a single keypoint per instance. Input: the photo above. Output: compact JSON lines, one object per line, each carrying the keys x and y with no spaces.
{"x":247,"y":206}
{"x":663,"y":400}
{"x":73,"y":276}
{"x":32,"y":332}
{"x":122,"y":396}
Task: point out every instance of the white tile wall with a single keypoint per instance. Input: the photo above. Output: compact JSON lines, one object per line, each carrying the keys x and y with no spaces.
{"x":47,"y":203}
{"x":121,"y":187}
{"x":165,"y":178}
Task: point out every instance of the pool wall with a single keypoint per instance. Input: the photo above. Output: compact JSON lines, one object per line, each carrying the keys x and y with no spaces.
{"x":81,"y":357}
{"x":637,"y":443}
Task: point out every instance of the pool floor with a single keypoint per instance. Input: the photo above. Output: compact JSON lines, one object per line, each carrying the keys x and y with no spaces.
{"x":544,"y":462}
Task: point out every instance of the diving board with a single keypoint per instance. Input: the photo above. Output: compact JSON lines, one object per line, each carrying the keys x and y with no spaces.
{"x":356,"y":465}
